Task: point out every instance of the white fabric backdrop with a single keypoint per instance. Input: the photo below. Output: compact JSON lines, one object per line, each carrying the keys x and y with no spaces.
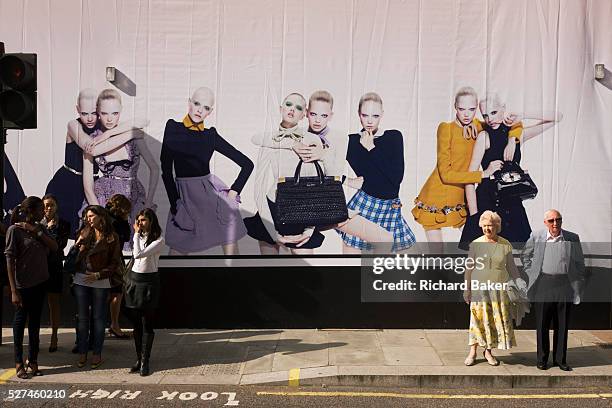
{"x":539,"y":55}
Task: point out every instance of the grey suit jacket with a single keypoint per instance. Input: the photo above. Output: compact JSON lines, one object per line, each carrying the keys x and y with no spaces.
{"x":573,"y":259}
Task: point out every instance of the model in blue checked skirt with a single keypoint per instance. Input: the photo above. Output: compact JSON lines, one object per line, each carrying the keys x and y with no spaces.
{"x":387,"y":214}
{"x":377,"y":157}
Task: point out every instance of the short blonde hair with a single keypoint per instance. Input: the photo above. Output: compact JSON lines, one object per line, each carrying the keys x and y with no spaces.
{"x":108,"y":94}
{"x":296,"y":94}
{"x":370,"y":96}
{"x":465,"y":91}
{"x":321,"y":96}
{"x":491,"y":99}
{"x":87,"y":94}
{"x":492,"y":217}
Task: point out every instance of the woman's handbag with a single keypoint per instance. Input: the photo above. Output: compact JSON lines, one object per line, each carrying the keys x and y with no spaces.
{"x":516,"y":294}
{"x":312,"y":201}
{"x":119,"y":278}
{"x":72,"y":263}
{"x":511,"y":181}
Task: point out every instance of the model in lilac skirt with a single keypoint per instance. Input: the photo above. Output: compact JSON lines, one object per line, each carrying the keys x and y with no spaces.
{"x":203,"y":210}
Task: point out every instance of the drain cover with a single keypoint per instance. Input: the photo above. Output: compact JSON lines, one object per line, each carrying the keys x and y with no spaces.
{"x":221,"y":369}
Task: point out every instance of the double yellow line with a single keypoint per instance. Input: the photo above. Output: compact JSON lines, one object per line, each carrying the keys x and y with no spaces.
{"x":7,"y":374}
{"x":431,"y":396}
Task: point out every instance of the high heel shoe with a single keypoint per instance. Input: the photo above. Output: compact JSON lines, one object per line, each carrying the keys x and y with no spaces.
{"x":82,"y":361}
{"x":492,"y":361}
{"x":470,"y":360}
{"x":53,"y":345}
{"x":22,"y":372}
{"x":136,"y":367}
{"x":33,"y":366}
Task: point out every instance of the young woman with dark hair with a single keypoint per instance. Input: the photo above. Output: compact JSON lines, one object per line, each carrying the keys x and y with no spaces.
{"x":59,"y":229}
{"x":143,"y":287}
{"x":27,"y":245}
{"x":99,"y":251}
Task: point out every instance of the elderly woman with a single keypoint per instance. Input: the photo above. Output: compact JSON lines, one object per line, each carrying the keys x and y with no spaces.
{"x":490,"y":310}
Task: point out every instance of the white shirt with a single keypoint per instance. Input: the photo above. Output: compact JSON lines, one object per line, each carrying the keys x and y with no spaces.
{"x":79,"y":279}
{"x":146,"y":259}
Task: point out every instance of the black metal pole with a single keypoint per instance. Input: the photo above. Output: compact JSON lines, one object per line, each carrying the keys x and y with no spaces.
{"x":2,"y":159}
{"x":2,"y":153}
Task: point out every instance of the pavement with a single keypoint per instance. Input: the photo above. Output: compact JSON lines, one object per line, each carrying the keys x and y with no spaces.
{"x":323,"y":358}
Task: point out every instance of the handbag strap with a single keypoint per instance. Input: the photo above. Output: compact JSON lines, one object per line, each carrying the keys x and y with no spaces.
{"x":298,"y":170}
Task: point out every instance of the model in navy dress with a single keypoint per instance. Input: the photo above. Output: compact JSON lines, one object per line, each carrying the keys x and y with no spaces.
{"x":204,"y":211}
{"x":491,"y":146}
{"x":515,"y":224}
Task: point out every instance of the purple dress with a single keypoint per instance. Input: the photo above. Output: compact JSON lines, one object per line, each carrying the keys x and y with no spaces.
{"x":120,"y":177}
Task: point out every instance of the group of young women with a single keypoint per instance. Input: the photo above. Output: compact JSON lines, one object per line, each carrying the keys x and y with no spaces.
{"x":34,"y":252}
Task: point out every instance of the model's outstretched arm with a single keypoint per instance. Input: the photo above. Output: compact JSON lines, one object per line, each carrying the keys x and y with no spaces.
{"x":542,"y":123}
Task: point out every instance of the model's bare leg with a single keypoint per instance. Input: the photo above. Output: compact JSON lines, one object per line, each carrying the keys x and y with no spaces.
{"x":436,"y":241}
{"x":365,"y":229}
{"x":231,"y":249}
{"x":115,"y":309}
{"x":54,"y":317}
{"x":434,"y":235}
{"x":302,"y":251}
{"x":368,"y":231}
{"x":349,"y":250}
{"x":267,"y":249}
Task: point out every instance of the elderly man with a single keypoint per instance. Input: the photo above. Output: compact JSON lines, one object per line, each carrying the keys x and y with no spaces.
{"x":554,"y":263}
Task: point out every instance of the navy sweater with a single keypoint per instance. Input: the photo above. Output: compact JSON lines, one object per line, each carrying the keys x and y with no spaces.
{"x":382,"y":168}
{"x":190,"y":151}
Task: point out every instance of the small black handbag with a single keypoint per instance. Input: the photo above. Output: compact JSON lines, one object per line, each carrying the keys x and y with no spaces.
{"x":511,"y":181}
{"x":72,"y":263}
{"x":312,"y":201}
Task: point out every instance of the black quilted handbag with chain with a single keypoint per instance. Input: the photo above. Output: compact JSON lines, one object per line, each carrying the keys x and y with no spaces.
{"x":512,"y":181}
{"x":311,"y":201}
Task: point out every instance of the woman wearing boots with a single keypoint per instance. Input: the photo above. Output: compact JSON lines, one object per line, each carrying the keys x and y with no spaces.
{"x":142,"y":285}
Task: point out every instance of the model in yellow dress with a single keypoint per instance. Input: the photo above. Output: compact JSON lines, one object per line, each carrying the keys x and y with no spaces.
{"x":441,"y":202}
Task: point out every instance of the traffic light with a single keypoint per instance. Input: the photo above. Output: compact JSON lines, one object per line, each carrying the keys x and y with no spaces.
{"x":18,"y":91}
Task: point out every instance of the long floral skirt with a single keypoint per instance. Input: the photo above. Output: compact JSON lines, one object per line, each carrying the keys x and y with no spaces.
{"x":491,"y":320}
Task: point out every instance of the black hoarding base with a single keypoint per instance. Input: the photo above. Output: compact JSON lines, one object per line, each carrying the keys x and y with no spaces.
{"x":300,"y":297}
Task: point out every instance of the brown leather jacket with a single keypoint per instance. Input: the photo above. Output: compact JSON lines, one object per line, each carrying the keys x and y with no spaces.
{"x":103,"y":256}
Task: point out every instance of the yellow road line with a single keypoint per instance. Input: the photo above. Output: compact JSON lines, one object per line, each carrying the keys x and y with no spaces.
{"x":294,"y":377}
{"x":432,"y":396}
{"x":7,"y":374}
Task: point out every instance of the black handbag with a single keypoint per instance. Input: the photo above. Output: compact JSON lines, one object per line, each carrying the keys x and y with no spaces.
{"x":72,"y":264}
{"x":511,"y":181}
{"x":312,"y":201}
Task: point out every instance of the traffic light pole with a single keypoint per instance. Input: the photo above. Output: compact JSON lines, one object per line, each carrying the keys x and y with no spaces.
{"x":2,"y":158}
